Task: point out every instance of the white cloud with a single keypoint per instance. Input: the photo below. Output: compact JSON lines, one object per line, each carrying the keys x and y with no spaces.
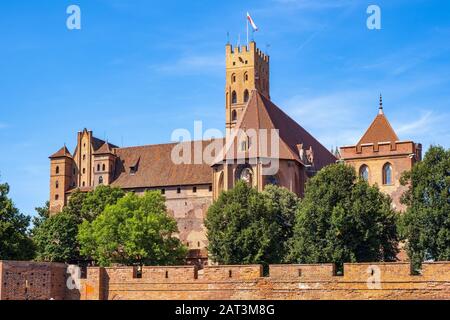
{"x":197,"y":64}
{"x":421,"y":125}
{"x":335,"y":119}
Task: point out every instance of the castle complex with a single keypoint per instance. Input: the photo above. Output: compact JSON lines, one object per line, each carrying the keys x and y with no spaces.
{"x":190,"y":188}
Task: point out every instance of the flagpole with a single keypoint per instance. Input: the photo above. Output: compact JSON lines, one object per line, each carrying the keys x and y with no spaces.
{"x":247,"y":30}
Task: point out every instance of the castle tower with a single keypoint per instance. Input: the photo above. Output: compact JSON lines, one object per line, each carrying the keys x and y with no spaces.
{"x":247,"y":69}
{"x":104,"y":164}
{"x":61,"y":166}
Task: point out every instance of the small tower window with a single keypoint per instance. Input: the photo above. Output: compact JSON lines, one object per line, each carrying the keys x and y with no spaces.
{"x":57,"y":170}
{"x":84,"y":157}
{"x":387,"y":174}
{"x":210,"y":188}
{"x":98,"y":167}
{"x":57,"y":197}
{"x":233,"y":78}
{"x":246,"y":76}
{"x":163,"y":191}
{"x":56,"y":184}
{"x":246,"y":96}
{"x":104,"y":167}
{"x":234,"y":97}
{"x":178,"y":190}
{"x":234,"y":115}
{"x":100,"y":180}
{"x":84,"y":170}
{"x":364,"y":172}
{"x":194,"y":189}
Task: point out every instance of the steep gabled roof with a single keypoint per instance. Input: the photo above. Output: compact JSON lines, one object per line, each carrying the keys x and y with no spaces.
{"x":156,"y":169}
{"x":379,"y":131}
{"x":106,"y":148}
{"x":63,"y":152}
{"x":261,"y":113}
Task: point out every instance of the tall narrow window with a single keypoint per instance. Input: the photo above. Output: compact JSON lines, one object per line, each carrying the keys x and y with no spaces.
{"x":104,"y":167}
{"x":233,"y":78}
{"x":56,"y":184}
{"x":57,"y":170}
{"x":234,"y":115}
{"x":246,"y":76}
{"x":387,"y":174}
{"x":56,"y":197}
{"x":98,"y":167}
{"x":246,"y":96}
{"x":233,"y":97}
{"x":364,"y":172}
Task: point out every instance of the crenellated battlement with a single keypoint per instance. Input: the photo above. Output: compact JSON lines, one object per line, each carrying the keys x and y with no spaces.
{"x":302,"y":281}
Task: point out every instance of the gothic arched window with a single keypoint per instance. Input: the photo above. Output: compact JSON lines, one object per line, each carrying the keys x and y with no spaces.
{"x":364,"y":172}
{"x":233,"y":97}
{"x":387,"y":174}
{"x":57,"y":170}
{"x":233,"y":78}
{"x":245,"y":173}
{"x":246,"y":96}
{"x":233,"y":115}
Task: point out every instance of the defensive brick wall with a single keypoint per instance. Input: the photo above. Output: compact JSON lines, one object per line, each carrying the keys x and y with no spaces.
{"x":21,"y":280}
{"x":359,"y":281}
{"x":29,"y":280}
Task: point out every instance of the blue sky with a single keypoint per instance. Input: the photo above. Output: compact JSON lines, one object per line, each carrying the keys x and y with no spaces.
{"x":139,"y":69}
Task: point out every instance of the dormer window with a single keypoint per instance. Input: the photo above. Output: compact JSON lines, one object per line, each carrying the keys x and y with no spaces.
{"x":134,"y":166}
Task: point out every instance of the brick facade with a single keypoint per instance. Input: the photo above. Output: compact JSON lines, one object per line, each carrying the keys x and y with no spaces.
{"x":43,"y":281}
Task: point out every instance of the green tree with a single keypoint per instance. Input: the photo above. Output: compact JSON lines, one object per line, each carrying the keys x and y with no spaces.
{"x":55,"y":239}
{"x":136,"y":230}
{"x":245,"y":226}
{"x":343,"y":219}
{"x":96,"y":201}
{"x":15,"y":243}
{"x":426,"y":223}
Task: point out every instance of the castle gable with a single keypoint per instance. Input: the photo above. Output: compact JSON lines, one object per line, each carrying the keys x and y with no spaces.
{"x":262,"y":114}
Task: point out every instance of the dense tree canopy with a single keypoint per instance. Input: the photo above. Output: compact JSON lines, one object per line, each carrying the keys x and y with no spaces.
{"x":56,"y":237}
{"x":343,"y":219}
{"x":136,"y":230}
{"x":15,"y":243}
{"x":426,"y":223}
{"x":245,"y":226}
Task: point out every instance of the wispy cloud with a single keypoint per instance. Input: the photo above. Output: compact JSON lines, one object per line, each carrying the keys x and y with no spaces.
{"x":3,"y":125}
{"x":421,"y":125}
{"x":193,"y":64}
{"x":334,"y":118}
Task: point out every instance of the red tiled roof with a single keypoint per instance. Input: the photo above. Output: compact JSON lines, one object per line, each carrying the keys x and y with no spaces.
{"x":261,"y":113}
{"x":153,"y":167}
{"x":63,"y":152}
{"x":106,"y":148}
{"x":379,"y":131}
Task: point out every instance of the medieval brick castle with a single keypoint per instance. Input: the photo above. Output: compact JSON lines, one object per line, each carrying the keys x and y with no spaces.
{"x":379,"y":157}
